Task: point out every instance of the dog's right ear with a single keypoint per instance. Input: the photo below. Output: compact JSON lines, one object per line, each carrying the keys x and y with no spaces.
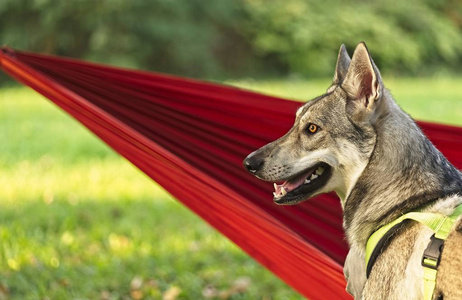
{"x":341,"y":68}
{"x":363,"y":85}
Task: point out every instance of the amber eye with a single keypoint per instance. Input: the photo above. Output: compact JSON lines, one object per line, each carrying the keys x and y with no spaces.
{"x":313,"y":128}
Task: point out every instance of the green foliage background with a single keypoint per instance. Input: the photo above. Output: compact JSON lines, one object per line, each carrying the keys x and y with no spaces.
{"x":224,"y":38}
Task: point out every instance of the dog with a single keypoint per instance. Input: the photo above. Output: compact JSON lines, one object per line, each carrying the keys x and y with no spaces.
{"x":355,"y":140}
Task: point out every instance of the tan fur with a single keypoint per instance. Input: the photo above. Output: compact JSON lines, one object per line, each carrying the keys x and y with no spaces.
{"x":386,"y":278}
{"x":449,"y":278}
{"x":397,"y":273}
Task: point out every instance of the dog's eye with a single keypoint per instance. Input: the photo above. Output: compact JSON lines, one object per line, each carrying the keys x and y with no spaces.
{"x":312,"y":128}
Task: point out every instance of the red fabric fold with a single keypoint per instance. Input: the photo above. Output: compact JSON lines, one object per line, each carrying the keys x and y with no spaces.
{"x":191,"y":137}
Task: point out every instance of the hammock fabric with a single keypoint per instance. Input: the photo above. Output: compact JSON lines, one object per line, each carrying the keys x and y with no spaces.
{"x":191,"y":137}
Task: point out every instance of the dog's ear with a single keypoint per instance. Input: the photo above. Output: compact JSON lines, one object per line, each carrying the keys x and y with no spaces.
{"x":363,"y":84}
{"x":341,"y":68}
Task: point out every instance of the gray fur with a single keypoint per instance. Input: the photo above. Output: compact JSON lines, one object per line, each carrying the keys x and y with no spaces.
{"x":381,"y":165}
{"x":341,"y":68}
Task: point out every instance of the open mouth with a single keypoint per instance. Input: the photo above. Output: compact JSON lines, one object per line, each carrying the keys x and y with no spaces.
{"x":303,"y":185}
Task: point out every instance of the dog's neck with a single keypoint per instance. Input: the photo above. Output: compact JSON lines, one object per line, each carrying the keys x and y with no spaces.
{"x":405,"y":172}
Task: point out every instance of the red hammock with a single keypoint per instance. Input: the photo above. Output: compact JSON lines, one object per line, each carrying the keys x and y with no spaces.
{"x":191,"y":138}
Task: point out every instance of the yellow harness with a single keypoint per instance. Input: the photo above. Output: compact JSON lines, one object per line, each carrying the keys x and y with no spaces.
{"x":440,"y":224}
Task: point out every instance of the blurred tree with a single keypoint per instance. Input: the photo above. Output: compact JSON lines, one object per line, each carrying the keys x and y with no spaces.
{"x":224,"y":38}
{"x":407,"y":36}
{"x":188,"y":37}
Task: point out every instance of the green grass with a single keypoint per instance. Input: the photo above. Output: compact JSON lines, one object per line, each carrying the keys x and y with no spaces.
{"x":79,"y":222}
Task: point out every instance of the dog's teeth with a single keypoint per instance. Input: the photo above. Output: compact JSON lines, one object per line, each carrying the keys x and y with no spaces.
{"x":307,"y":181}
{"x":276,"y":196}
{"x":320,"y":170}
{"x":314,"y":176}
{"x":283,"y":191}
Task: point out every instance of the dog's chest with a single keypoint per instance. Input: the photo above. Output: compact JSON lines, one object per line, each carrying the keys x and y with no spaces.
{"x":355,"y":272}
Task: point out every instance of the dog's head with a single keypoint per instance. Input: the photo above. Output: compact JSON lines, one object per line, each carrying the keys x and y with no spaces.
{"x":332,"y":138}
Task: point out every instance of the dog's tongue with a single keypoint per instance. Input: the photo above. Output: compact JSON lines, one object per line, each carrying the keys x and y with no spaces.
{"x":288,"y":186}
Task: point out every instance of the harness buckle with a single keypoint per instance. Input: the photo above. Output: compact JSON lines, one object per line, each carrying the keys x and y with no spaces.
{"x":432,"y":254}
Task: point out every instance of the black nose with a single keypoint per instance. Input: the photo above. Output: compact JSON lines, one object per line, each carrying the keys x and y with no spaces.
{"x":253,"y":163}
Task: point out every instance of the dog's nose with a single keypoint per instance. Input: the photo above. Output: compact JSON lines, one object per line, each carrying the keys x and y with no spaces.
{"x":253,"y":163}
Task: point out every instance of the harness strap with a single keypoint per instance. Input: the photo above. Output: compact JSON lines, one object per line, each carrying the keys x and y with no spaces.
{"x":440,"y":224}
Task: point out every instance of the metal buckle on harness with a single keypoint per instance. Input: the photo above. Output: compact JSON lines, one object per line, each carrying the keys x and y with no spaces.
{"x":432,"y":254}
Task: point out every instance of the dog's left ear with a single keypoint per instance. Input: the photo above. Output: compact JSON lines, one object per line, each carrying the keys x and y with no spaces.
{"x":341,"y":68}
{"x":363,"y":84}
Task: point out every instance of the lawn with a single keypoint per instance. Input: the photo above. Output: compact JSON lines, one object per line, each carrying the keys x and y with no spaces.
{"x":79,"y":222}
